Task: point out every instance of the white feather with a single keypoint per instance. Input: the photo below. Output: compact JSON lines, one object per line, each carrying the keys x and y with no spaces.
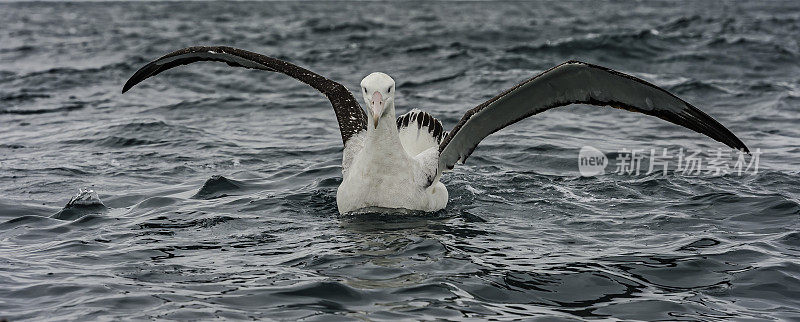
{"x":379,"y":170}
{"x":380,"y":173}
{"x":414,"y":138}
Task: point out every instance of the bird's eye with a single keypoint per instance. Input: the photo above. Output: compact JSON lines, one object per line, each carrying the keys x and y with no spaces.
{"x":389,"y":90}
{"x":365,"y":89}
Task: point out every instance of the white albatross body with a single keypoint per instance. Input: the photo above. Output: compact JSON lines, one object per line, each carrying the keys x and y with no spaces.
{"x":379,"y":174}
{"x":390,"y":162}
{"x":379,"y":169}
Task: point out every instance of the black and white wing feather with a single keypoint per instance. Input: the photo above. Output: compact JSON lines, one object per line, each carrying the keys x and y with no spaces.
{"x":349,"y":113}
{"x":575,"y":82}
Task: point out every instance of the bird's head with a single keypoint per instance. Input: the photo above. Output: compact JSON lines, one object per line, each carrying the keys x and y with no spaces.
{"x":378,"y":91}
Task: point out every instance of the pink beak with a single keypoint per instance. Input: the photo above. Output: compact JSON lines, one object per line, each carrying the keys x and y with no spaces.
{"x":376,"y":105}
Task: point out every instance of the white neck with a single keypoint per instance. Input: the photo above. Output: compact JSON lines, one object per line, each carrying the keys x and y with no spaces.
{"x":383,"y":141}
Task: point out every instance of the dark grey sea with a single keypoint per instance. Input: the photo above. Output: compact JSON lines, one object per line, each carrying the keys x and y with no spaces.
{"x":215,"y":187}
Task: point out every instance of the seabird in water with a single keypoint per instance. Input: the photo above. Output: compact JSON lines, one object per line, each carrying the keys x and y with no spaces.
{"x":396,"y":162}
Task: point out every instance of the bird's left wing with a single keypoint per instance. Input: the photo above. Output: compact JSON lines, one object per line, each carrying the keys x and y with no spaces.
{"x":575,"y":82}
{"x":349,"y":113}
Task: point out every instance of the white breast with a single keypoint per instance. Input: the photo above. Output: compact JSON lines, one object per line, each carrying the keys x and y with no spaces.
{"x":384,"y":175}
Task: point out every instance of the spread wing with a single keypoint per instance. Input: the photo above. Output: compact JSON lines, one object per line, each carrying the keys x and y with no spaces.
{"x":349,"y":113}
{"x":575,"y":82}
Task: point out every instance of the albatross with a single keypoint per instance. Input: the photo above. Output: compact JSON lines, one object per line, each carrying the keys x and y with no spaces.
{"x":391,"y":162}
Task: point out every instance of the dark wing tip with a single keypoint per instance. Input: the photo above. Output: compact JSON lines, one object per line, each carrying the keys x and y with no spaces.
{"x":127,"y":86}
{"x":735,"y":143}
{"x":690,"y":117}
{"x":703,"y":123}
{"x":140,"y":75}
{"x":159,"y":65}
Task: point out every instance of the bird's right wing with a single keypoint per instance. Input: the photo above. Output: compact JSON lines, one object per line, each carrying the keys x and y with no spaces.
{"x":349,"y":113}
{"x":574,"y":82}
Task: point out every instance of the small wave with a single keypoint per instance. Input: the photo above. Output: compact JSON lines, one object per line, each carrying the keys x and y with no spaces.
{"x":18,"y":49}
{"x":26,"y":220}
{"x":217,"y":187}
{"x":89,"y":220}
{"x":433,"y":80}
{"x":633,"y":45}
{"x":202,"y":102}
{"x":332,"y":291}
{"x":423,"y":48}
{"x":700,"y":244}
{"x":181,"y":223}
{"x":7,"y":75}
{"x":10,"y":208}
{"x":680,"y":23}
{"x":158,"y":128}
{"x":85,"y":197}
{"x":791,"y":239}
{"x":139,"y":133}
{"x":253,"y":240}
{"x":22,"y":97}
{"x":715,"y":197}
{"x":115,"y":141}
{"x":84,"y":203}
{"x":675,"y":273}
{"x":66,"y":108}
{"x":413,"y":47}
{"x":697,"y":86}
{"x":157,"y":202}
{"x":64,"y":71}
{"x":753,"y":46}
{"x":766,"y":87}
{"x":327,"y":26}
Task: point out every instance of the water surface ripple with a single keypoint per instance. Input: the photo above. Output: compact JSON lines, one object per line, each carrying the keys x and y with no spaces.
{"x":218,"y":185}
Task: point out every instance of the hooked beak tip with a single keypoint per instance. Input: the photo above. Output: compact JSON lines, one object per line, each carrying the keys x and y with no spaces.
{"x":376,"y":116}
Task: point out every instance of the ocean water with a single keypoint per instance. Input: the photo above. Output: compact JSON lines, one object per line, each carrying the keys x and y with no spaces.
{"x":215,"y":187}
